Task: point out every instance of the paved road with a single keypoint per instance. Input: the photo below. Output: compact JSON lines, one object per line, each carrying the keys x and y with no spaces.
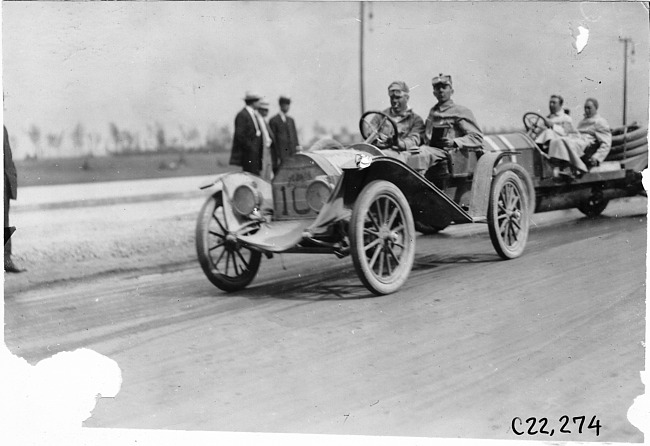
{"x":469,"y":343}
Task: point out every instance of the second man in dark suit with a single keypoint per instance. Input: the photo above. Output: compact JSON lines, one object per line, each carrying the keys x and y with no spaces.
{"x":247,"y":141}
{"x":284,"y":131}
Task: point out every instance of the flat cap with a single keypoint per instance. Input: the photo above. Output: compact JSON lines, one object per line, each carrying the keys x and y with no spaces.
{"x":398,"y":85}
{"x":441,"y":79}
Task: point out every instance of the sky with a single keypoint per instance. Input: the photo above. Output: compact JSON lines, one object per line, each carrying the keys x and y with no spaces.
{"x":188,"y":65}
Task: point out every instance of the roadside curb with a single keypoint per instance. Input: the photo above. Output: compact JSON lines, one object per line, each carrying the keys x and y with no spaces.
{"x":108,"y":201}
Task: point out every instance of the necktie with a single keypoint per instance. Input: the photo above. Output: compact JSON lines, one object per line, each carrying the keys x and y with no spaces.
{"x":256,"y":123}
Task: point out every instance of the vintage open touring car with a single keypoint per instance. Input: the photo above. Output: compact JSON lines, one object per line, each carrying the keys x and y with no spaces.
{"x":356,"y":201}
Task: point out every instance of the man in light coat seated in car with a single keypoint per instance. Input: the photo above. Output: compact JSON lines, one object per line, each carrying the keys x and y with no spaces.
{"x":558,"y":119}
{"x":568,"y":151}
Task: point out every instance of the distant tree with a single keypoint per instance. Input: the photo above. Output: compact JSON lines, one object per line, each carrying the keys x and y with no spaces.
{"x":115,"y":135}
{"x":225,"y":137}
{"x":218,"y":138}
{"x":94,"y":140}
{"x":54,"y":140}
{"x":161,"y":139}
{"x":128,"y":141}
{"x":35,"y":136}
{"x":190,"y":137}
{"x":78,"y":134}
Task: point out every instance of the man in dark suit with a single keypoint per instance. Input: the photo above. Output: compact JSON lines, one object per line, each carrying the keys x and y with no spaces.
{"x":11,"y":192}
{"x":247,"y":142}
{"x":284,"y":130}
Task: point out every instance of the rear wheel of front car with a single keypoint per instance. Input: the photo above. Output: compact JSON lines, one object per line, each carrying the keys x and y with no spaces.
{"x":508,"y":214}
{"x":382,"y":237}
{"x":227,"y":264}
{"x":594,"y":205}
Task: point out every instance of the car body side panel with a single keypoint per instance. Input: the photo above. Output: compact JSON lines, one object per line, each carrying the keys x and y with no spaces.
{"x":428,"y":203}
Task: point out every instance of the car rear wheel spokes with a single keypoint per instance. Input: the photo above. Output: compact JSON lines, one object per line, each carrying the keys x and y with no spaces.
{"x":382,"y":237}
{"x":226,"y":263}
{"x":508,"y":215}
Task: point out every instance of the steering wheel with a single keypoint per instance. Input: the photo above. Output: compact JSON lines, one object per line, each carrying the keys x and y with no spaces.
{"x":535,"y":124}
{"x":376,"y":130}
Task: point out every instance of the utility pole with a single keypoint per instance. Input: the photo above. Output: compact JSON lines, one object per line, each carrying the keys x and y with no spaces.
{"x":361,"y":26}
{"x":626,"y":41}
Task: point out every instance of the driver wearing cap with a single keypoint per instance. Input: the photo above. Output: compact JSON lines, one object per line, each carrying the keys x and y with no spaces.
{"x":410,"y":126}
{"x":448,"y":127}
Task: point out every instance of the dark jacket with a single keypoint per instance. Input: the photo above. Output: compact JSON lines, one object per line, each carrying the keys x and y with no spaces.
{"x":285,"y":137}
{"x":11,"y":177}
{"x":246,"y":145}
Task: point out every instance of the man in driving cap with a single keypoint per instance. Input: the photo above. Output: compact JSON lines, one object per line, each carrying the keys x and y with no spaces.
{"x":448,"y":127}
{"x":247,"y":143}
{"x":284,"y":130}
{"x":410,"y":126}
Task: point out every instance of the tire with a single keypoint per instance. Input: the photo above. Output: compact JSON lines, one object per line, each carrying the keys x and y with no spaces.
{"x":641,"y":133}
{"x":227,"y":264}
{"x":426,"y":229}
{"x":594,"y":205}
{"x":382,"y":231}
{"x":508,"y":215}
{"x":618,"y":156}
{"x":525,"y":178}
{"x":619,"y":148}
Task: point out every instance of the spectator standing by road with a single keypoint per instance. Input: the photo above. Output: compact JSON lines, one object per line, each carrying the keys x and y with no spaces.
{"x":11,"y":193}
{"x":284,"y":129}
{"x":247,"y":144}
{"x":269,"y":158}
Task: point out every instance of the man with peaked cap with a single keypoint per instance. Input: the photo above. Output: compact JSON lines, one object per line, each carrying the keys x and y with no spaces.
{"x":247,"y":143}
{"x":284,"y":130}
{"x":409,"y":125}
{"x":448,"y":127}
{"x":269,"y":158}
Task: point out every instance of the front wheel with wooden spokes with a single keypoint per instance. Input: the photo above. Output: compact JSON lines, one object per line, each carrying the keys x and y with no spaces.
{"x":508,"y":214}
{"x":382,"y":237}
{"x":225,"y":262}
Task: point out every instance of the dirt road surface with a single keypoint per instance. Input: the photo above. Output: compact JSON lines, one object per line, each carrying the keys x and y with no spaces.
{"x":467,"y":345}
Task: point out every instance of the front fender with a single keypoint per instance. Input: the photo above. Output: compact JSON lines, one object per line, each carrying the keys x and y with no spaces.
{"x":486,"y":168}
{"x":227,"y":183}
